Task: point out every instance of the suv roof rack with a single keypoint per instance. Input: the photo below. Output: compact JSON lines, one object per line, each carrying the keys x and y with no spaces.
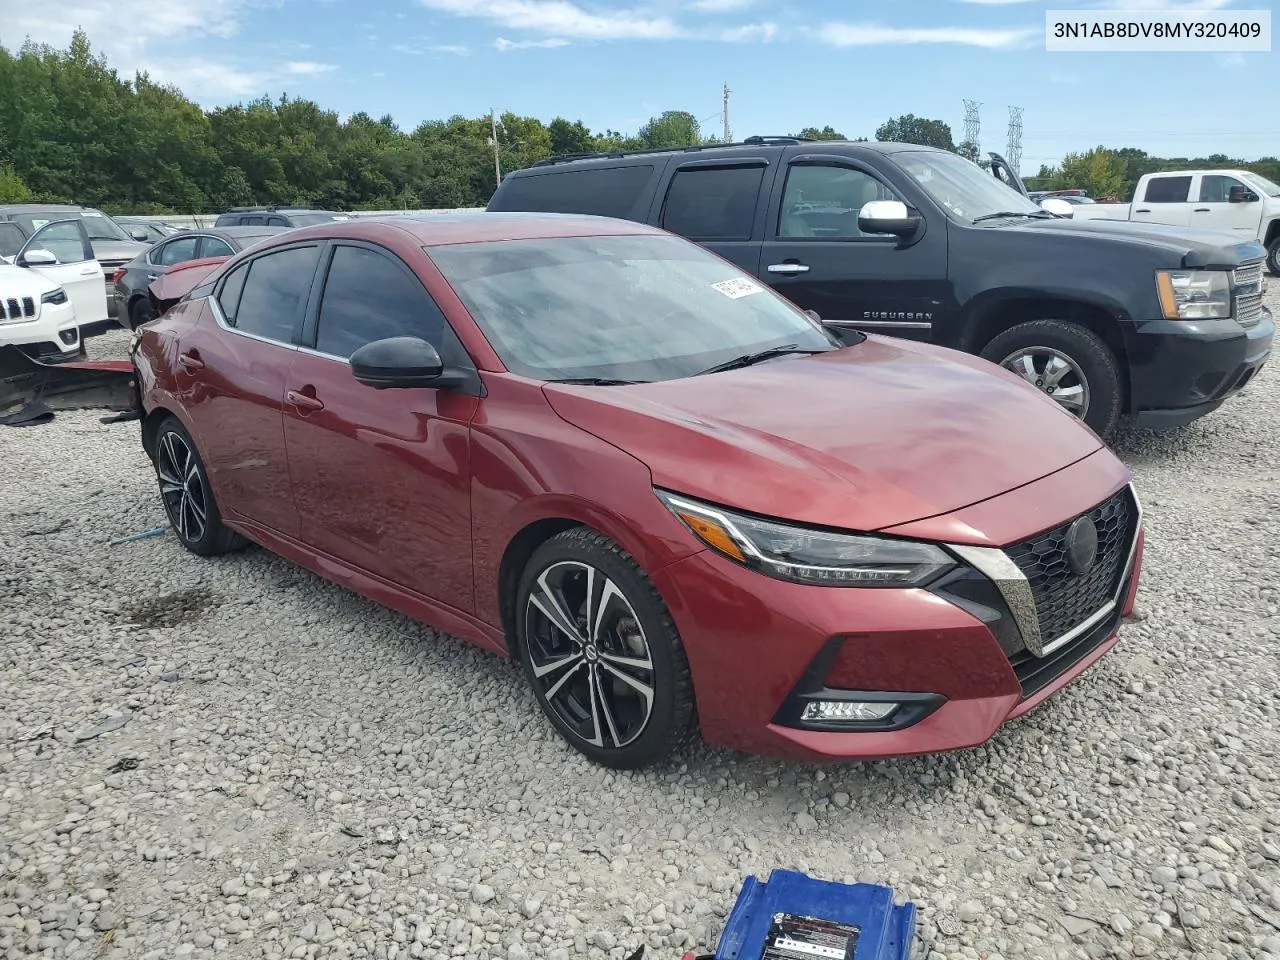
{"x":755,"y":141}
{"x":268,"y":209}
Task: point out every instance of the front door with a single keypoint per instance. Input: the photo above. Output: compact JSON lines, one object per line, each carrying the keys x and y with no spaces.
{"x":1216,"y":210}
{"x":815,"y":255}
{"x":75,"y":269}
{"x":381,"y":477}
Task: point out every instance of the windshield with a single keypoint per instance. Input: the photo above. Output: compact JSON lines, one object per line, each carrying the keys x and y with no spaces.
{"x":963,"y":188}
{"x":1263,"y":184}
{"x":96,"y":223}
{"x":631,"y":307}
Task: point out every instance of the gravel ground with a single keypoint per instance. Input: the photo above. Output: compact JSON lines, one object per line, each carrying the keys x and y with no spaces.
{"x":233,"y":758}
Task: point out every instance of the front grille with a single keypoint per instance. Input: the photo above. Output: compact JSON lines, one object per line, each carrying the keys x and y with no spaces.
{"x":1035,"y":673}
{"x":1063,"y":599}
{"x":14,"y":309}
{"x":1248,"y":287}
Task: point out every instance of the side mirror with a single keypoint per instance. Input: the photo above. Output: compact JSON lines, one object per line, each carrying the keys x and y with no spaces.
{"x":140,"y":235}
{"x":1059,"y":208}
{"x":404,"y":362}
{"x":888,"y":216}
{"x":37,"y":257}
{"x":1239,"y":194}
{"x":813,"y":315}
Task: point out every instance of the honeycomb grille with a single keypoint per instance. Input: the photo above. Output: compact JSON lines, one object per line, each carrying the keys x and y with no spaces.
{"x":1064,"y":600}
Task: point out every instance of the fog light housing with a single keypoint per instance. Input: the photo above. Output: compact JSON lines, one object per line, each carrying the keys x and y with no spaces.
{"x":68,"y":336}
{"x":846,"y":711}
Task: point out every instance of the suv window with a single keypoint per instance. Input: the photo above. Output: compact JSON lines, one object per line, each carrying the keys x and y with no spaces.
{"x":368,"y":296}
{"x":598,"y":191}
{"x":822,"y":202}
{"x":176,"y":251}
{"x":277,"y":221}
{"x":1215,"y":188}
{"x":716,"y":203}
{"x":275,"y":289}
{"x":65,"y":240}
{"x":1168,"y":190}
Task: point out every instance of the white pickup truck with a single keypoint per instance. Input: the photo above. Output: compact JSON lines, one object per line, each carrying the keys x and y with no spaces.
{"x":1236,"y":201}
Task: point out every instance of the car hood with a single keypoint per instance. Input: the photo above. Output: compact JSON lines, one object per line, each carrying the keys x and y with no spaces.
{"x":21,"y":282}
{"x":118,"y":251}
{"x":1195,"y":247}
{"x":874,"y":435}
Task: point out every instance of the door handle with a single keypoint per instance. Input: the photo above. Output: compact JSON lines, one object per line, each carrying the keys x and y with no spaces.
{"x":1142,"y":211}
{"x":89,"y":272}
{"x":304,"y":402}
{"x":191,"y":361}
{"x":787,"y":268}
{"x":152,"y":276}
{"x":1202,"y":210}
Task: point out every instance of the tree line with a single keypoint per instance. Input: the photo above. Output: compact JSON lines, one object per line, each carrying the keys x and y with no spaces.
{"x":73,"y":130}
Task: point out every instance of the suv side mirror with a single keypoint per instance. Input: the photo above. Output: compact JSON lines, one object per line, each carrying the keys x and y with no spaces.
{"x":37,"y":257}
{"x":888,"y":216}
{"x":139,"y":234}
{"x":1058,"y":207}
{"x":1239,"y":194}
{"x":403,"y":362}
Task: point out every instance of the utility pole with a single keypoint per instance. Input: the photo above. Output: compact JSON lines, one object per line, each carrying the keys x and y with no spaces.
{"x":497,"y":163}
{"x":728,"y":138}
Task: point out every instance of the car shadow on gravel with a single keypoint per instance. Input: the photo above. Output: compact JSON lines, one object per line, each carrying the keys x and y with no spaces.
{"x":171,"y":609}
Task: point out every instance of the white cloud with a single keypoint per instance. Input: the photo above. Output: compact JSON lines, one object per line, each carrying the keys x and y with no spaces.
{"x":196,"y":78}
{"x":749,"y":33}
{"x":722,"y":6}
{"x":456,"y":49}
{"x":307,"y":68}
{"x":869,"y":34}
{"x":562,"y":18}
{"x":1188,"y":5}
{"x":550,"y":43}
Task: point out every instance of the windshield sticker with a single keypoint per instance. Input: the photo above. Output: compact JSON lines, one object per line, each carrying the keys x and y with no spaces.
{"x":737,"y":288}
{"x":37,"y":224}
{"x":92,"y":213}
{"x":342,"y":218}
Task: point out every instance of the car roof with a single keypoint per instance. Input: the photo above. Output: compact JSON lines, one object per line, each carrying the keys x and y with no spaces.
{"x":438,"y":229}
{"x":260,"y":230}
{"x":37,"y":207}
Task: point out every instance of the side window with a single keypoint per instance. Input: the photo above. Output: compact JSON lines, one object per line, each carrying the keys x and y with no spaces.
{"x":11,"y":239}
{"x":65,"y":240}
{"x":215,"y":247}
{"x":598,"y":191}
{"x":274,"y":292}
{"x":1215,"y":188}
{"x":229,"y":296}
{"x":713,"y":203}
{"x":177,"y":251}
{"x":251,"y":221}
{"x":369,"y":296}
{"x":1168,"y":190}
{"x":277,"y":222}
{"x":823,"y":202}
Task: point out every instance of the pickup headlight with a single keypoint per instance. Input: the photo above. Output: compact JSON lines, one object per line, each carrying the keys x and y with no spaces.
{"x":56,"y":297}
{"x":1194,"y":294}
{"x":806,"y":555}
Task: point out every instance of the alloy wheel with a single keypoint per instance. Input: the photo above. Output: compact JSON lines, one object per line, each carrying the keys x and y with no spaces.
{"x":181,"y":486}
{"x":1053,"y":373}
{"x":590,"y":659}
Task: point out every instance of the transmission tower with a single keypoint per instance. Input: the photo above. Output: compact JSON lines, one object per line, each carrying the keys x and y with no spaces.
{"x":971,"y":124}
{"x":1014,"y":151}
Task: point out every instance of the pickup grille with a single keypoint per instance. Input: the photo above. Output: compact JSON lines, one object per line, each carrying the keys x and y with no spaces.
{"x":13,"y":309}
{"x":1248,"y":285}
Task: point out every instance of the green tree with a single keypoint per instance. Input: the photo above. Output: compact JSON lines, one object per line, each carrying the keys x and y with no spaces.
{"x":12,"y":189}
{"x":1099,"y":171}
{"x":912,"y":129}
{"x":568,"y":138}
{"x":826,"y":133}
{"x":968,"y":149}
{"x":674,"y":128}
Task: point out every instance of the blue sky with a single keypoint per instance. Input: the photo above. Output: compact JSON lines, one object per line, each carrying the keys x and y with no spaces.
{"x":789,"y":64}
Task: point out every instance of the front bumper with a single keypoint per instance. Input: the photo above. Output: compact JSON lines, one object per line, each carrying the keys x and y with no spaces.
{"x":759,"y":648}
{"x":53,"y":336}
{"x":1180,"y":371}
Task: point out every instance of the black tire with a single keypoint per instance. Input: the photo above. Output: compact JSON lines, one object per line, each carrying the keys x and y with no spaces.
{"x":1092,"y":361}
{"x":186,"y":495}
{"x":140,"y":312}
{"x":1273,"y":258}
{"x":638,"y":629}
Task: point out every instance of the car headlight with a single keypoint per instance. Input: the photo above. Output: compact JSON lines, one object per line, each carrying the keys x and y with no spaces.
{"x":807,"y":555}
{"x":1194,"y":294}
{"x":55,"y":297}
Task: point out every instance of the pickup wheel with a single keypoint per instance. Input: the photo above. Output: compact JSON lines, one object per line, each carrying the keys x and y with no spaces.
{"x":1067,"y":362}
{"x":1273,"y":258}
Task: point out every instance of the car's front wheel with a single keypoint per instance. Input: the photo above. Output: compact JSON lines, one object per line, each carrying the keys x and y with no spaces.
{"x":140,"y":312}
{"x":1067,"y":362}
{"x":601,"y":652}
{"x":1273,"y":258}
{"x":186,"y":493}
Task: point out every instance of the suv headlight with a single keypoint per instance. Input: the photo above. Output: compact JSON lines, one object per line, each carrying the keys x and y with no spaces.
{"x":806,"y":555}
{"x":1194,"y":294}
{"x":56,"y":297}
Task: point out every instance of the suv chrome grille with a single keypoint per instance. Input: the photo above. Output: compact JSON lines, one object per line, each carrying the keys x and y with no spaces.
{"x":14,"y":309}
{"x":1248,"y":287}
{"x":1065,"y":601}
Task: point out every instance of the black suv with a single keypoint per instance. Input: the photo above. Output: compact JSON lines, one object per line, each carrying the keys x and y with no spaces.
{"x":276,"y":217}
{"x":1106,"y":317}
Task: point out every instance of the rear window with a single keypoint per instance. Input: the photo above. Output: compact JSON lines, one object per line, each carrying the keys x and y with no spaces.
{"x":593,"y":191}
{"x":1168,"y":190}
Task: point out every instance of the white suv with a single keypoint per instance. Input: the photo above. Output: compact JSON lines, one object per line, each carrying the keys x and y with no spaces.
{"x":51,"y":282}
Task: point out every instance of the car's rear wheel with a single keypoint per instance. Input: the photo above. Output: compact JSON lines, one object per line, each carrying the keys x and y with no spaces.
{"x":140,"y":312}
{"x":601,"y":652}
{"x":1273,"y":258}
{"x":1069,"y":363}
{"x":186,"y":494}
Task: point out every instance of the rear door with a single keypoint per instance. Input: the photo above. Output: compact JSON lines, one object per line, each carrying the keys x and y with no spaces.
{"x":815,"y":255}
{"x":720,"y":204}
{"x":1214,"y":209}
{"x":1165,"y":199}
{"x":77,"y":271}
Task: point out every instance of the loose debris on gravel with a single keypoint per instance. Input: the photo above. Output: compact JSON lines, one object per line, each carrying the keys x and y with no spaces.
{"x":281,"y":769}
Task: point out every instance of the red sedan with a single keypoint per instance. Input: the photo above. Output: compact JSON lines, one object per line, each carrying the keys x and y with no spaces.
{"x":672,"y":495}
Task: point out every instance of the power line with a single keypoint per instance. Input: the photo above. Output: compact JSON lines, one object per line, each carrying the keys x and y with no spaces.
{"x":1014,"y":151}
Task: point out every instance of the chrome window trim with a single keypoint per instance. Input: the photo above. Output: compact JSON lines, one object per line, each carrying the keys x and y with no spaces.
{"x":905,"y":324}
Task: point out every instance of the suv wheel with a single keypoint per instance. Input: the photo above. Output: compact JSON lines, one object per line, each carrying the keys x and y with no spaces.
{"x":601,"y":652}
{"x":1067,"y":362}
{"x":1273,"y":258}
{"x":186,"y":494}
{"x":140,"y":312}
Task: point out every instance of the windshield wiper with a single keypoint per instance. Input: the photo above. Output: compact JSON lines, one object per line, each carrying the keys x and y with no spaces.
{"x":748,"y":359}
{"x":598,"y":381}
{"x":1036,"y":215}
